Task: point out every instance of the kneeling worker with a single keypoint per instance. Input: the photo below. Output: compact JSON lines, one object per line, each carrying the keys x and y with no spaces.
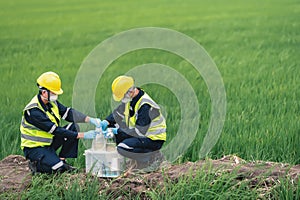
{"x":141,"y":127}
{"x":41,"y":133}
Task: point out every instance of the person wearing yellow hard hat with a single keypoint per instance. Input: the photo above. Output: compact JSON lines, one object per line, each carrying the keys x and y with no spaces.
{"x":140,"y":127}
{"x":41,"y":133}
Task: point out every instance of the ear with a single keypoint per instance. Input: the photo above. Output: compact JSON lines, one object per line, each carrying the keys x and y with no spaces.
{"x":44,"y":92}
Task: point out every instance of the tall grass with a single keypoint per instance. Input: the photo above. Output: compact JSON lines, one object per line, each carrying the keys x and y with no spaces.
{"x":286,"y":189}
{"x":254,"y":44}
{"x":205,"y":185}
{"x":62,"y":186}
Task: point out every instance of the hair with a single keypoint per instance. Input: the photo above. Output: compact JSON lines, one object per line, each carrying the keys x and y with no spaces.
{"x":41,"y":88}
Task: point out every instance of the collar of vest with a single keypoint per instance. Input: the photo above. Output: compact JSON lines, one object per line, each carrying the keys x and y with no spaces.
{"x":136,"y":99}
{"x":44,"y":106}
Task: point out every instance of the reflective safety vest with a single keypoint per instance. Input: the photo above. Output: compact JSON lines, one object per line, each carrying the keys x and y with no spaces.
{"x":32,"y":136}
{"x":157,"y":128}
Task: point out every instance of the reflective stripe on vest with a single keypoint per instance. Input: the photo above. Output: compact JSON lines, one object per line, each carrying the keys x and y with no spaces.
{"x":157,"y":128}
{"x":28,"y":126}
{"x":35,"y":138}
{"x":31,"y":136}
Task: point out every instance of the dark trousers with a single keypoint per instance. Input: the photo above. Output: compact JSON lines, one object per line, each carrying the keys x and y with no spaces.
{"x":69,"y":146}
{"x":46,"y":157}
{"x":137,"y":148}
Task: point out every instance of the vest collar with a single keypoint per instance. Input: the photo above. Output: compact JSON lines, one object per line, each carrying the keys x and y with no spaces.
{"x":135,"y":99}
{"x":47,"y":106}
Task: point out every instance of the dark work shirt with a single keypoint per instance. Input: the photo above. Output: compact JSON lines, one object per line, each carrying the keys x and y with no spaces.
{"x":39,"y":119}
{"x":145,"y":115}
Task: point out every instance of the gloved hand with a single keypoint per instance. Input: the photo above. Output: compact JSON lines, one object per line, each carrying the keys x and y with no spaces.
{"x":115,"y":131}
{"x":107,"y":134}
{"x":110,"y":133}
{"x":90,"y":134}
{"x":104,"y":124}
{"x":96,"y":122}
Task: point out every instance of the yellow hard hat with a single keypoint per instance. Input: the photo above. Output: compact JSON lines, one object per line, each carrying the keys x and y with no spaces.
{"x":120,"y":86}
{"x":50,"y":81}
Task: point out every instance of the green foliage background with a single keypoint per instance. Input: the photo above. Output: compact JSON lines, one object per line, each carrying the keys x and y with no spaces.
{"x":255,"y":45}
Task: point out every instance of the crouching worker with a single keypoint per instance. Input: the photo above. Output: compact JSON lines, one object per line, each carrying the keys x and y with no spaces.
{"x":141,"y":126}
{"x":41,"y":133}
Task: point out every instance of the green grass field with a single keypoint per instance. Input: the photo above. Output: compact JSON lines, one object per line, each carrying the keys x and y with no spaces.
{"x":255,"y":45}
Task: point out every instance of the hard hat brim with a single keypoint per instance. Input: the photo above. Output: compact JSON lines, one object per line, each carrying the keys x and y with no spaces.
{"x":117,"y":98}
{"x":59,"y":92}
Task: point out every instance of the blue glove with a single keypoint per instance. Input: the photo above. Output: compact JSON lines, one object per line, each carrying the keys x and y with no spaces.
{"x":107,"y":134}
{"x":110,"y":133}
{"x":90,"y":134}
{"x":115,"y":131}
{"x":104,"y":124}
{"x":96,"y":122}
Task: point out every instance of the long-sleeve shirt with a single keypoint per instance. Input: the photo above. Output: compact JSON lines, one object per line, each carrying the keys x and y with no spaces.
{"x":144,"y":116}
{"x":40,"y":120}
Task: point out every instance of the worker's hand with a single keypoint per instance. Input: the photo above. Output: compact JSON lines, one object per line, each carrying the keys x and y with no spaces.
{"x":96,"y":122}
{"x":90,"y":134}
{"x":104,"y":124}
{"x":109,"y":133}
{"x":115,"y":131}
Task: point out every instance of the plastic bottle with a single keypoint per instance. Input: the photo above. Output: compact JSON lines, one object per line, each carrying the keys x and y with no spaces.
{"x":99,"y":143}
{"x":98,"y":130}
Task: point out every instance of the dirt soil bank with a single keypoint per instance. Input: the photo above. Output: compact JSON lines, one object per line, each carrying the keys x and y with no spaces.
{"x":15,"y":175}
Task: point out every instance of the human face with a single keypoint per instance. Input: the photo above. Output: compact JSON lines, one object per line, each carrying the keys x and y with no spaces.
{"x":128,"y":96}
{"x":53,"y":97}
{"x":49,"y":96}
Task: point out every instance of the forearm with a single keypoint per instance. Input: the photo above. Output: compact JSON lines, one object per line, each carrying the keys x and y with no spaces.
{"x":41,"y":121}
{"x":76,"y":116}
{"x":87,"y":119}
{"x":129,"y":131}
{"x":63,"y":132}
{"x":117,"y":116}
{"x":80,"y":135}
{"x":111,"y":120}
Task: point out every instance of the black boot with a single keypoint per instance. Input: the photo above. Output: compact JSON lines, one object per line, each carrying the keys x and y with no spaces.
{"x":68,"y":167}
{"x":33,"y":167}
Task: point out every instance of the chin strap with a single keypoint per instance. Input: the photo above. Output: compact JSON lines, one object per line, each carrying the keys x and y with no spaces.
{"x":48,"y":95}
